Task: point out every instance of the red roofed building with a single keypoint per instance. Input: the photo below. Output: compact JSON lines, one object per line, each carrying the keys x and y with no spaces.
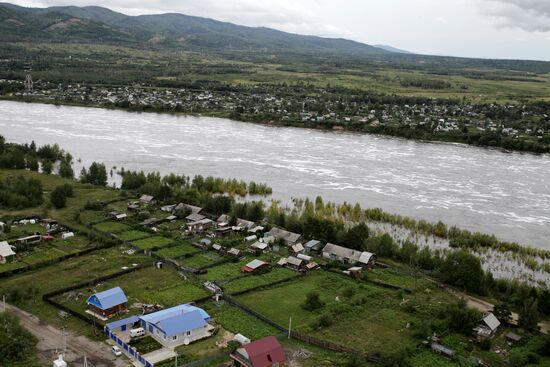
{"x":266,"y":352}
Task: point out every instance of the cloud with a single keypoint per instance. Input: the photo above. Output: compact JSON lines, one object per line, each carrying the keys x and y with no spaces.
{"x":528,"y":15}
{"x":286,"y":15}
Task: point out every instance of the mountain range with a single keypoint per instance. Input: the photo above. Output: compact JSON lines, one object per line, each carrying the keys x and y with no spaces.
{"x":101,"y":25}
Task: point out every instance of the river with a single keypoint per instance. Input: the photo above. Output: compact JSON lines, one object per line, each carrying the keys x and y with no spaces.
{"x":507,"y":194}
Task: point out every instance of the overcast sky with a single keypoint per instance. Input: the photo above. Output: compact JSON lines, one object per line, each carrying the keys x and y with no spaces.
{"x":518,"y":29}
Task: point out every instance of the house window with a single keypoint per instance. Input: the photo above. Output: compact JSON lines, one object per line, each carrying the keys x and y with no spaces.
{"x":188,"y":333}
{"x":175,"y":337}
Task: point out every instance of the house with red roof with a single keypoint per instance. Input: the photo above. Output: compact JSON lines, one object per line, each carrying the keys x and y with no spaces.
{"x":266,"y":352}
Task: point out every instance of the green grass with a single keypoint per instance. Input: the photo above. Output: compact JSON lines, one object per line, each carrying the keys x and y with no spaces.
{"x":252,"y":281}
{"x":132,"y":235}
{"x":111,"y":227}
{"x":145,"y":345}
{"x":225,"y":271}
{"x":201,"y":260}
{"x":368,"y":317}
{"x":175,"y":251}
{"x":238,"y":322}
{"x":153,"y":242}
{"x":150,"y":285}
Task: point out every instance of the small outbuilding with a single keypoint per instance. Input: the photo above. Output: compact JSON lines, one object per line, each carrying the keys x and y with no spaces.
{"x":148,"y":200}
{"x":6,"y":253}
{"x":487,"y":327}
{"x":255,"y":265}
{"x":266,"y":352}
{"x":107,"y":303}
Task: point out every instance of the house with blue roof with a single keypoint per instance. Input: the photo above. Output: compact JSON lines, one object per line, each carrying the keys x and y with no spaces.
{"x":107,"y":303}
{"x":179,"y":325}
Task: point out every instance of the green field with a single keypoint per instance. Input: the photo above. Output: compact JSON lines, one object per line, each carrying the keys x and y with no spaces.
{"x":153,"y":242}
{"x":252,"y":281}
{"x":201,"y":260}
{"x":176,"y":251}
{"x":132,"y":235}
{"x":111,"y":227}
{"x":151,"y":286}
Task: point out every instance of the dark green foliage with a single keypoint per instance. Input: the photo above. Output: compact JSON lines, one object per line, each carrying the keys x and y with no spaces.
{"x":485,"y":344}
{"x":544,"y":348}
{"x":95,"y":175}
{"x":463,"y":270}
{"x":19,"y":193}
{"x":313,"y":302}
{"x":356,"y":236}
{"x":16,"y":343}
{"x":529,"y":314}
{"x":58,"y":197}
{"x":502,"y":312}
{"x":461,"y":319}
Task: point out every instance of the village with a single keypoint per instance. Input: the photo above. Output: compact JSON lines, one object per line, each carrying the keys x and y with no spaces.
{"x":313,"y":107}
{"x":220,"y":290}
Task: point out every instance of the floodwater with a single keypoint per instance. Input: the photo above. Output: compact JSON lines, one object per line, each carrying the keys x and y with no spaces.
{"x":507,"y":194}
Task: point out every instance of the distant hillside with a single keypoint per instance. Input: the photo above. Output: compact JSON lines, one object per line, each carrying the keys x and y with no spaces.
{"x":97,"y":24}
{"x":393,"y":49}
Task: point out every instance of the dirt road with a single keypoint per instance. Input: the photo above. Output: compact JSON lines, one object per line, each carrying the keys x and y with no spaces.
{"x":50,"y":341}
{"x":484,"y":306}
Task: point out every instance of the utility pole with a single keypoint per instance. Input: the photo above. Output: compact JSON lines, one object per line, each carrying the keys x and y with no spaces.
{"x":289,"y":326}
{"x":29,"y":85}
{"x":176,"y":360}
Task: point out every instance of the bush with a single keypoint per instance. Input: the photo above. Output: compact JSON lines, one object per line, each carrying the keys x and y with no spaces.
{"x":485,"y":344}
{"x":313,"y":302}
{"x":16,"y":343}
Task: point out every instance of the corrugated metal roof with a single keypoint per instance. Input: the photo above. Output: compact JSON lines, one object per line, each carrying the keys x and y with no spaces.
{"x":170,"y":312}
{"x":108,"y":299}
{"x":181,"y":323}
{"x":491,"y":321}
{"x":5,"y":249}
{"x":119,"y":323}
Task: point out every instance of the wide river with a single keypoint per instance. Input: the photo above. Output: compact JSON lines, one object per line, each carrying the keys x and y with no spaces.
{"x":484,"y":190}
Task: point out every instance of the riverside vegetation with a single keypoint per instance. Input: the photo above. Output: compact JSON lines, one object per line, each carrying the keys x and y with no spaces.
{"x":431,"y":309}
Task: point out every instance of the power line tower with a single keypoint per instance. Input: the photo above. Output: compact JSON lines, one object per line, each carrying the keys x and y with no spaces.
{"x":29,"y":85}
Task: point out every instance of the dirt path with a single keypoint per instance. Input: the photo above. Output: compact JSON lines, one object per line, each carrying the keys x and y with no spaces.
{"x":50,"y":340}
{"x":484,"y":307}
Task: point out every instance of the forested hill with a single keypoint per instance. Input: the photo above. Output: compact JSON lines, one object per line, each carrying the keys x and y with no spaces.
{"x":96,"y":24}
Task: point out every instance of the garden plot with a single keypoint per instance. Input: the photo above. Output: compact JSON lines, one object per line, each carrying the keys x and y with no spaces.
{"x":201,"y":260}
{"x":150,"y":286}
{"x":177,"y":251}
{"x":367,"y":317}
{"x":252,"y":281}
{"x":132,"y":235}
{"x":112,"y":227}
{"x":153,"y":242}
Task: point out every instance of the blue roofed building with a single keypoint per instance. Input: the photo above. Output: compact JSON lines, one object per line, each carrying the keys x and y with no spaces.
{"x":107,"y":303}
{"x":178,"y":325}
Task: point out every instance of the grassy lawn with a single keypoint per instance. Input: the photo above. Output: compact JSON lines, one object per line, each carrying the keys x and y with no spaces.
{"x":365,"y":316}
{"x":33,"y":284}
{"x":111,"y":227}
{"x":153,"y":242}
{"x":252,"y":281}
{"x":201,"y":260}
{"x":145,"y":345}
{"x":225,"y":271}
{"x":150,"y":285}
{"x":175,"y":251}
{"x":132,"y":235}
{"x":237,"y":321}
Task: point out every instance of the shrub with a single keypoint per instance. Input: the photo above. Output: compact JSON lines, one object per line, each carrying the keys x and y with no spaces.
{"x":313,"y":302}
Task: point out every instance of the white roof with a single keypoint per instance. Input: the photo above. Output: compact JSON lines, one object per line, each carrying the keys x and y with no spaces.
{"x":259,"y":245}
{"x":254,"y":264}
{"x":298,"y":247}
{"x":491,"y":321}
{"x":294,"y":261}
{"x":234,"y":251}
{"x":5,"y":249}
